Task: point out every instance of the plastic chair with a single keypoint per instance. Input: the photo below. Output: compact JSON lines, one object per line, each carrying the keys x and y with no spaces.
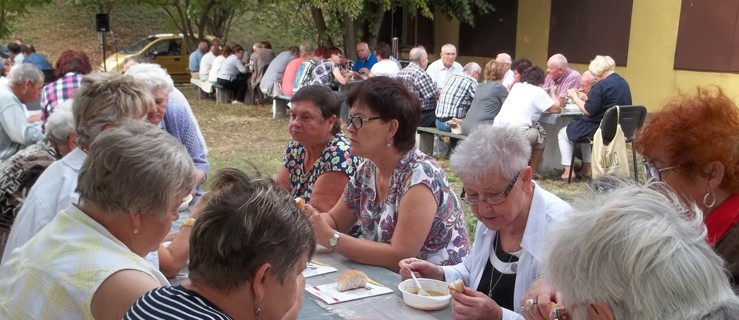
{"x":632,"y":118}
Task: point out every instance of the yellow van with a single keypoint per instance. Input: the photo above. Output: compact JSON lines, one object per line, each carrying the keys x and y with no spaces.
{"x":167,"y":49}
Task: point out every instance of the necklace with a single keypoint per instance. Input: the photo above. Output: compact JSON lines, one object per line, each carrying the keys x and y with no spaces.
{"x":513,"y":267}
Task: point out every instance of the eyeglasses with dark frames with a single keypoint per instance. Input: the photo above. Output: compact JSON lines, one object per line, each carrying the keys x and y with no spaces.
{"x":494,"y":199}
{"x":651,"y":172}
{"x":357,"y":121}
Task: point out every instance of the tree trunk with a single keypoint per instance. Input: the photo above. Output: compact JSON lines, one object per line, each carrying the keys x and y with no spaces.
{"x":375,"y":28}
{"x":320,"y":24}
{"x":350,"y":37}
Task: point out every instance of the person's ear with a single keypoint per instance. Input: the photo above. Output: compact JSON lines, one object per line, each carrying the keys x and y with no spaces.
{"x":259,"y":281}
{"x":714,"y":173}
{"x":393,"y":127}
{"x":600,"y":311}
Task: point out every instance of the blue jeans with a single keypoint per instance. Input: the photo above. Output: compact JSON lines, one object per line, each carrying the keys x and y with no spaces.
{"x":442,"y":126}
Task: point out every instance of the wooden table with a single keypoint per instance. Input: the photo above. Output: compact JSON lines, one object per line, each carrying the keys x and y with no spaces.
{"x":388,"y":306}
{"x":552,"y":123}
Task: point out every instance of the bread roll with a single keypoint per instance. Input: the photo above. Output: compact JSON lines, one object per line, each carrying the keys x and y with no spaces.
{"x":300,"y":203}
{"x":352,"y":279}
{"x":457,"y":285}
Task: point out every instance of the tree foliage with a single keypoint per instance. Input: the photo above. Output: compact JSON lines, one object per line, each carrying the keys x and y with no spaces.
{"x":11,"y":10}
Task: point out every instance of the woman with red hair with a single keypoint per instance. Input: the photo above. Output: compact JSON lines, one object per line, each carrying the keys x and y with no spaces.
{"x":692,"y":145}
{"x":71,"y":66}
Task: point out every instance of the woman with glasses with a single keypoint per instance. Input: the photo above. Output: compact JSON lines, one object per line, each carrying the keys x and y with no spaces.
{"x":692,"y":145}
{"x":400,"y":196}
{"x":317,"y":163}
{"x":514,"y":215}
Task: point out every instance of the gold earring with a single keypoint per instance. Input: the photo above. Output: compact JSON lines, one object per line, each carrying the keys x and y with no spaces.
{"x":259,"y":309}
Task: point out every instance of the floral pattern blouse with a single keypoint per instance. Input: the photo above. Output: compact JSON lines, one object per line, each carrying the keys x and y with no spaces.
{"x":335,"y":157}
{"x":447,"y":242}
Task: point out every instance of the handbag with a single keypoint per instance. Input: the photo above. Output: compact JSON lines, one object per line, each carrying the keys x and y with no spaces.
{"x":610,"y":159}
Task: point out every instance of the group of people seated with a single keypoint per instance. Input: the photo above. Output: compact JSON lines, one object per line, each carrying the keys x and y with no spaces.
{"x":88,"y":238}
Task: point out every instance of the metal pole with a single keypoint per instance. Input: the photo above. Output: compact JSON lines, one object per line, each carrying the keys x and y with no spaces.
{"x":105,"y":65}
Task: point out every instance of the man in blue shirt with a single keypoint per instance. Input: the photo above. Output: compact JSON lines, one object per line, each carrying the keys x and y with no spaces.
{"x":366,"y":59}
{"x":195,"y":58}
{"x":34,"y":58}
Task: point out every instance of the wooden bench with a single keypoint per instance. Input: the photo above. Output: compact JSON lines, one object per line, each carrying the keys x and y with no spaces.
{"x":223,"y":95}
{"x":426,"y":141}
{"x":205,"y":88}
{"x":280,"y":104}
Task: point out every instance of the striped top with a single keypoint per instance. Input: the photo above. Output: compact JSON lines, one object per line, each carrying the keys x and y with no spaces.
{"x":175,"y":303}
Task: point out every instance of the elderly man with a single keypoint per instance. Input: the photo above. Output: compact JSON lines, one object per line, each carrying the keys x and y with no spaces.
{"x":560,"y":78}
{"x":365,"y":59}
{"x":587,"y":80}
{"x":508,"y":76}
{"x":456,"y":96}
{"x":195,"y":58}
{"x":420,"y":83}
{"x":276,"y":70}
{"x":24,"y":86}
{"x":55,"y":189}
{"x":206,"y":63}
{"x":446,"y":66}
{"x":384,"y":66}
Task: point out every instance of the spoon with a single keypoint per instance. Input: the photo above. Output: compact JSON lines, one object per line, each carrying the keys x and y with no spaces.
{"x":421,"y":292}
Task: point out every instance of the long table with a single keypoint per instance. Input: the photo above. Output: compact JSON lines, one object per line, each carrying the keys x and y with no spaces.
{"x":388,"y":306}
{"x":552,"y":123}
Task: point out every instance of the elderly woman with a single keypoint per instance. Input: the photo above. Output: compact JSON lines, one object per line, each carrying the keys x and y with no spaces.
{"x":317,"y":163}
{"x":691,"y":145}
{"x":242,"y":266}
{"x":400,"y":196}
{"x":20,"y":172}
{"x":172,"y":116}
{"x":661,"y":267}
{"x":71,"y":66}
{"x":215,"y":69}
{"x":610,"y":90}
{"x":87,"y":263}
{"x":523,"y":108}
{"x":328,"y":72}
{"x":513,"y":214}
{"x":488,"y":98}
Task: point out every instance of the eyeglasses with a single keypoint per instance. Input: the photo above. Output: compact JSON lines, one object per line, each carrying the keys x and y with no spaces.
{"x":357,"y":121}
{"x":652,"y":172}
{"x":494,"y":199}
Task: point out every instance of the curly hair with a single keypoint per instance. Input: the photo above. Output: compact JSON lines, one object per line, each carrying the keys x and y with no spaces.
{"x":72,"y":61}
{"x":696,"y":129}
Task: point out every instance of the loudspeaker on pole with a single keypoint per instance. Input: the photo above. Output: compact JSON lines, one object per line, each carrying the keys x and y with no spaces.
{"x":102,"y":24}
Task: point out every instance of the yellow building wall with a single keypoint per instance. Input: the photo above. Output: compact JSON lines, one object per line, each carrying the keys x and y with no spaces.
{"x":651,"y":56}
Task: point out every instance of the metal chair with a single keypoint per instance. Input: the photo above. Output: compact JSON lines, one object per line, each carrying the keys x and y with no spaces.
{"x":631,"y":118}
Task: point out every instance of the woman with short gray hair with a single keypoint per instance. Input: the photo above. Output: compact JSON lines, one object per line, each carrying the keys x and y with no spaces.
{"x":513,"y":215}
{"x":88,"y":262}
{"x":637,"y":253}
{"x":241,"y":265}
{"x":172,"y":116}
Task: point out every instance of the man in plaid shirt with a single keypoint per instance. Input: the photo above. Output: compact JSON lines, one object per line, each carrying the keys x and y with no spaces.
{"x":456,"y":96}
{"x":420,"y":83}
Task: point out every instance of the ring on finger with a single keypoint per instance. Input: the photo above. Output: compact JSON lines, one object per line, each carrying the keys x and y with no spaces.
{"x":529,"y":304}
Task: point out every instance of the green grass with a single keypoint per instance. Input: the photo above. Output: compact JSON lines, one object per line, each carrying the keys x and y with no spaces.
{"x":241,"y":134}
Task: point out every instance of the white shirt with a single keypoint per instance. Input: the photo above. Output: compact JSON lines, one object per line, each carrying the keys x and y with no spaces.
{"x":546,"y":210}
{"x":508,"y":78}
{"x":387,"y":68}
{"x":53,"y":191}
{"x":523,"y":106}
{"x":215,"y":68}
{"x":439,"y":73}
{"x":206,"y":64}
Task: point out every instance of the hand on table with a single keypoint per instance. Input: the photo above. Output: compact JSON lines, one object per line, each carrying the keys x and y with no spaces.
{"x":421,"y":268}
{"x":472,"y":304}
{"x":547,"y":300}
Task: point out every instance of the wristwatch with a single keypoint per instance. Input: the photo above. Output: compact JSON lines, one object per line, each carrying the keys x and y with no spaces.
{"x":334,"y":240}
{"x":189,"y":222}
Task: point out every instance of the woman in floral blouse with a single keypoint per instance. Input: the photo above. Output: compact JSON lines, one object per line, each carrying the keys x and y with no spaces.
{"x":317,"y":164}
{"x":400,"y":196}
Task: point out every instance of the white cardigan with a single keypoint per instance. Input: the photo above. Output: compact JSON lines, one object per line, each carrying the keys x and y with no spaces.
{"x":546,"y":210}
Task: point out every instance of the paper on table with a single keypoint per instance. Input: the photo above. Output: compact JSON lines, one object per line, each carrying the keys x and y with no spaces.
{"x":331,"y":295}
{"x":316,"y":268}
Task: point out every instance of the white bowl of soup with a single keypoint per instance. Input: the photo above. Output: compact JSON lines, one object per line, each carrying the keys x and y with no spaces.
{"x":439,"y":291}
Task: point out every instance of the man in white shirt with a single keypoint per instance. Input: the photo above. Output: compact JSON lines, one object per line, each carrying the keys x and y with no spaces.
{"x":384,"y":66}
{"x":207,"y":62}
{"x":508,"y":77}
{"x":446,"y":66}
{"x":24,"y":86}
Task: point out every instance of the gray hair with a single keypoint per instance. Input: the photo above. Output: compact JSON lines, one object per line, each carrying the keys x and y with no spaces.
{"x":559,"y":60}
{"x":60,"y":124}
{"x":638,"y":250}
{"x":243,"y":226}
{"x":501,"y":150}
{"x":601,"y":64}
{"x":305,"y":49}
{"x":152,"y":75}
{"x":106,"y":98}
{"x":448,"y":46}
{"x":503,"y":58}
{"x":136,"y":168}
{"x":417,"y":54}
{"x":23,"y":72}
{"x":471,"y":67}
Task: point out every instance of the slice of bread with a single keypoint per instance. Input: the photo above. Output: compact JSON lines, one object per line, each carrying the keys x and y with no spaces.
{"x":352,"y":279}
{"x":457,"y":285}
